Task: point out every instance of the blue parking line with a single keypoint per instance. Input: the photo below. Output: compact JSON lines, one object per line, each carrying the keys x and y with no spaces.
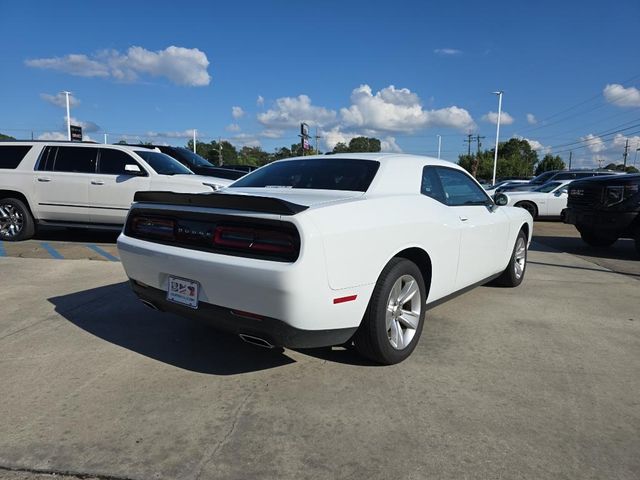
{"x":102,"y":252}
{"x":3,"y":252}
{"x":52,"y":251}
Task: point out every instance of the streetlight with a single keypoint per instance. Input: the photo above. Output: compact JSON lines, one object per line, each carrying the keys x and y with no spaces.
{"x":439,"y":145}
{"x":68,"y":116}
{"x":495,"y":156}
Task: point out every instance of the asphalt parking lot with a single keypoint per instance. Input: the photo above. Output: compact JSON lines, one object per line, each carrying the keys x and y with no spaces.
{"x":536,"y":382}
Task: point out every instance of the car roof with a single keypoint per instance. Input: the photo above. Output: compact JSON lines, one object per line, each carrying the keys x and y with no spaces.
{"x":65,"y":143}
{"x":383,"y":158}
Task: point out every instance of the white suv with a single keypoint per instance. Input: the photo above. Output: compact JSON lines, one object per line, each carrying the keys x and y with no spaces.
{"x":80,"y":184}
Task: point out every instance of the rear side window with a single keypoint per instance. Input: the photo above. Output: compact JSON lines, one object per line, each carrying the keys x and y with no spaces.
{"x":319,"y":174}
{"x":459,"y":189}
{"x":75,"y":159}
{"x":12,"y":155}
{"x":431,"y":186}
{"x":113,"y":161}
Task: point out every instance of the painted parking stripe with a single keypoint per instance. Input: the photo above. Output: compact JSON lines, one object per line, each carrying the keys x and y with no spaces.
{"x":52,"y":251}
{"x":3,"y":252}
{"x":102,"y":252}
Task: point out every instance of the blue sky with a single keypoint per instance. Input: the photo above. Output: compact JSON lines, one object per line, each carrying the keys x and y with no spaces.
{"x":404,"y":71}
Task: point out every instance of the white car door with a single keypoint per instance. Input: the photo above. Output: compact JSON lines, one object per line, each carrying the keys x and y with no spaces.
{"x":112,"y":188}
{"x":557,"y":201}
{"x":62,"y":183}
{"x":484,"y":228}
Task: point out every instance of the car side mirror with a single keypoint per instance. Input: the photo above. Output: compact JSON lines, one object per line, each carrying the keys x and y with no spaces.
{"x":561,"y":192}
{"x":501,"y":199}
{"x":132,"y":169}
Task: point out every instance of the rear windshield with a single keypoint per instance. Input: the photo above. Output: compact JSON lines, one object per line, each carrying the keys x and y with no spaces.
{"x":163,"y":164}
{"x":318,"y":173}
{"x":548,"y":187}
{"x":187,"y":156}
{"x":12,"y":155}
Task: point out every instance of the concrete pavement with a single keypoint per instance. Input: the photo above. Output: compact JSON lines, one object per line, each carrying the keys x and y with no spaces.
{"x":536,"y":382}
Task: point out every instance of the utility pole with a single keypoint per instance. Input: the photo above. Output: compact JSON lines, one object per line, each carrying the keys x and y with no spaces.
{"x":220,"y":162}
{"x":317,"y":137}
{"x":194,"y":140}
{"x":626,"y":152}
{"x":478,"y":138}
{"x":570,"y":157}
{"x":68,"y":116}
{"x":439,"y":145}
{"x":468,"y":141}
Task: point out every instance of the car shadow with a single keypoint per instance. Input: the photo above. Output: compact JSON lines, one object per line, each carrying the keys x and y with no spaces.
{"x":623,"y":249}
{"x":114,"y":314}
{"x":82,"y":235}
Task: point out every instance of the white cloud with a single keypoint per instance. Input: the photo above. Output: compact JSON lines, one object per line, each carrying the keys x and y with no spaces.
{"x":492,"y":117}
{"x":398,"y":110}
{"x":233,"y":127}
{"x":87,"y":126}
{"x":260,"y":101}
{"x":182,"y":66}
{"x":594,"y":143}
{"x":289,"y":112}
{"x":531,"y":119}
{"x":334,"y":136}
{"x":388,"y":144}
{"x":237,"y":112}
{"x":60,"y":100}
{"x":621,"y":96}
{"x":53,"y":136}
{"x":536,"y":145}
{"x":447,"y":51}
{"x":272,"y":133}
{"x":245,"y":140}
{"x":171,"y":134}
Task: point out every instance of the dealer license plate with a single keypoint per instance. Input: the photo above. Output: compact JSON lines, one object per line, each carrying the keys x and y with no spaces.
{"x":183,"y":291}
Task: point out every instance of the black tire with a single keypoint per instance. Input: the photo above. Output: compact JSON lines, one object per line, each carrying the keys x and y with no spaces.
{"x":512,"y":276}
{"x":373,"y":338}
{"x":21,"y":215}
{"x":597,"y":239}
{"x":529,"y":207}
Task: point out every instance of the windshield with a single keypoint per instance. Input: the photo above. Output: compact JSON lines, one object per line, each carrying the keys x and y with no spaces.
{"x":543,"y":177}
{"x":163,"y":164}
{"x":318,"y":173}
{"x":548,"y":187}
{"x":192,"y":158}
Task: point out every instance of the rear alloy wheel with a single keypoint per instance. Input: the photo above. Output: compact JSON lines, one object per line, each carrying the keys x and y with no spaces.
{"x":514,"y":273}
{"x":597,"y":239}
{"x":394,"y":318}
{"x":16,"y":222}
{"x":529,"y":207}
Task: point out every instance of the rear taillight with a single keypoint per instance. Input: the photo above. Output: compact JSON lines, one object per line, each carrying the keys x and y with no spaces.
{"x":254,"y":240}
{"x":161,"y":228}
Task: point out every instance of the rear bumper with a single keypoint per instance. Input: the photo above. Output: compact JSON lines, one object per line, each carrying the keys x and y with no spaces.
{"x":274,"y":331}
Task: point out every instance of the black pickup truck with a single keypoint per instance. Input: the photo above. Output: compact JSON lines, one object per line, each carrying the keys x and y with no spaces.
{"x":604,"y":209}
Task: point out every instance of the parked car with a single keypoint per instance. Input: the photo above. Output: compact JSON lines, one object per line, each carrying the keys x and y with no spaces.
{"x":493,"y":189}
{"x":317,"y":251}
{"x":555,"y":175}
{"x":605,"y":209}
{"x":196,"y":163}
{"x":242,"y":168}
{"x":81,"y":184}
{"x":549,"y":200}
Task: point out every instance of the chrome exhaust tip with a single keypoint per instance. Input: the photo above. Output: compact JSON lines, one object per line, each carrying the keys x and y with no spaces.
{"x":260,"y":342}
{"x":149,"y":304}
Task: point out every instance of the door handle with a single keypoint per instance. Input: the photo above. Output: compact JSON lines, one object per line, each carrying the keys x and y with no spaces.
{"x":97,"y":182}
{"x":44,"y":179}
{"x":463,"y":219}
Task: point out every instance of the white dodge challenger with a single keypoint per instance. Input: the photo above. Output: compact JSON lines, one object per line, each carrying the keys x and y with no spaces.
{"x":324,"y":250}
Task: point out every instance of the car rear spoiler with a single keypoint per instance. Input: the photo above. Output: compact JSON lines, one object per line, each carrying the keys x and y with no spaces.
{"x":226,"y":201}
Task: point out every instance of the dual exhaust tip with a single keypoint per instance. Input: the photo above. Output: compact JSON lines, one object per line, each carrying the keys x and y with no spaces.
{"x":253,"y":340}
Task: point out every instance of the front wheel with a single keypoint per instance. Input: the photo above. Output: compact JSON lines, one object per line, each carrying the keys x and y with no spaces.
{"x":529,"y":207}
{"x":514,"y":273}
{"x":393,"y":321}
{"x":16,"y":222}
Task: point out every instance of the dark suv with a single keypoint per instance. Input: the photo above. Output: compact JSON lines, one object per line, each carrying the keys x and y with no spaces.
{"x":604,"y":209}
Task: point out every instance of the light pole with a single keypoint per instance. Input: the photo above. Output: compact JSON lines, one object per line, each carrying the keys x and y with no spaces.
{"x":68,"y":116}
{"x":194,"y":140}
{"x":495,"y":155}
{"x":439,"y":145}
{"x":636,"y":157}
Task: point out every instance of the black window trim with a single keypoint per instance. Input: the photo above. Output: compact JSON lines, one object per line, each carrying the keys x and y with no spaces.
{"x":489,"y":203}
{"x":100,"y":149}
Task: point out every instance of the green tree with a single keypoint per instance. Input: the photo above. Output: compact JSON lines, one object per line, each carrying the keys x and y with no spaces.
{"x":516,"y":158}
{"x":364,"y":144}
{"x":6,"y":137}
{"x":341,"y":147}
{"x":253,"y":156}
{"x":549,"y":162}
